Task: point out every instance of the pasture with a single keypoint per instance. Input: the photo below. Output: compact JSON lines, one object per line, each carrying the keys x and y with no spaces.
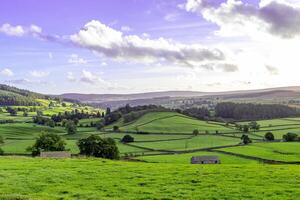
{"x":28,"y":178}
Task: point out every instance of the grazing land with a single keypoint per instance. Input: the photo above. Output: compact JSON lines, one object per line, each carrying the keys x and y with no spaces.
{"x":35,"y":178}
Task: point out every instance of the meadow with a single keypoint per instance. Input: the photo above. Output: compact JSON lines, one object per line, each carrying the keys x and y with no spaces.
{"x":29,"y":178}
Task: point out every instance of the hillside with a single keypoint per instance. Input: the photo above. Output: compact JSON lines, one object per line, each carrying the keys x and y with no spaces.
{"x":14,"y":96}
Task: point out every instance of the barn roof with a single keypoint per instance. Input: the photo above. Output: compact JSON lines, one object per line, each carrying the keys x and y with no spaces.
{"x":199,"y":158}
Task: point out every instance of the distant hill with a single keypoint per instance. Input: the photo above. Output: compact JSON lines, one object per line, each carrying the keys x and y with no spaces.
{"x":172,"y":97}
{"x":14,"y":96}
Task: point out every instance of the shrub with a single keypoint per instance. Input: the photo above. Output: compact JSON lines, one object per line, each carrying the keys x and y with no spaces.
{"x":47,"y":142}
{"x":71,"y":127}
{"x":96,"y":146}
{"x":127,"y":139}
{"x":196,"y":132}
{"x":269,"y":136}
{"x":290,"y":137}
{"x":116,"y":129}
{"x":245,"y":139}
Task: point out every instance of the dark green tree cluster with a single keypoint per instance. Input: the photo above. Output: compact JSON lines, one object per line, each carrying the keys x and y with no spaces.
{"x":127,"y":139}
{"x":269,"y":136}
{"x":290,"y":137}
{"x":199,"y":113}
{"x":96,"y":146}
{"x":74,"y":115}
{"x":47,"y":142}
{"x":249,"y":111}
{"x":245,"y":139}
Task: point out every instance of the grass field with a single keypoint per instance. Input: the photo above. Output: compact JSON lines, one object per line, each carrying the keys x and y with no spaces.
{"x":202,"y":141}
{"x":281,"y":151}
{"x":27,"y":178}
{"x":186,"y":158}
{"x":170,"y":122}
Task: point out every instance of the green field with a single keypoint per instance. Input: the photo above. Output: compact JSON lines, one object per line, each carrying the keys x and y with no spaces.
{"x":28,"y":178}
{"x":186,"y":158}
{"x":170,"y":122}
{"x":202,"y":141}
{"x":281,"y":151}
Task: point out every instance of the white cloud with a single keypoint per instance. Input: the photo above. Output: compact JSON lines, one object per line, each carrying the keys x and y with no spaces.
{"x":75,"y":59}
{"x":39,"y":74}
{"x":126,"y":29}
{"x":25,"y":81}
{"x":70,"y":77}
{"x":112,"y":43}
{"x":20,"y":30}
{"x":6,"y":72}
{"x":171,"y":17}
{"x":89,"y":77}
{"x":272,"y":70}
{"x":104,"y":64}
{"x":274,"y":17}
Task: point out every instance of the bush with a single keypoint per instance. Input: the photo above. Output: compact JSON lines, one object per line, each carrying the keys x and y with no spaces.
{"x":269,"y":136}
{"x":116,"y":129}
{"x":245,"y":139}
{"x":71,"y":127}
{"x":96,"y":146}
{"x":47,"y":142}
{"x":290,"y":137}
{"x":195,"y":132}
{"x":127,"y":139}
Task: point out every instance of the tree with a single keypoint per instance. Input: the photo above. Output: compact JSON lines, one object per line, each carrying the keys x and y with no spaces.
{"x":71,"y":127}
{"x":269,"y":136}
{"x":107,"y":111}
{"x":12,"y":111}
{"x":47,"y":142}
{"x":254,"y":126}
{"x":196,"y":132}
{"x":116,"y":128}
{"x":245,"y":139}
{"x":64,"y":104}
{"x":1,"y":142}
{"x":290,"y":137}
{"x":245,"y":128}
{"x":96,"y":146}
{"x":25,"y":114}
{"x":99,"y":125}
{"x":127,"y":139}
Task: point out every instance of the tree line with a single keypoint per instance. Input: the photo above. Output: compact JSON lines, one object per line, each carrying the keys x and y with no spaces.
{"x":250,"y":111}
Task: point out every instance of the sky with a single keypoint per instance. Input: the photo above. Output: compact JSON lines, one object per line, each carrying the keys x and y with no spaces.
{"x":132,"y":46}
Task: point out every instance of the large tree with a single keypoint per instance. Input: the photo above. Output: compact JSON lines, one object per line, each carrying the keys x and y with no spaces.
{"x":47,"y":142}
{"x":96,"y":146}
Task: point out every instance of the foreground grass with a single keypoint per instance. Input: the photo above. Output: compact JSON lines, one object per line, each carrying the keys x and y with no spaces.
{"x":29,"y":178}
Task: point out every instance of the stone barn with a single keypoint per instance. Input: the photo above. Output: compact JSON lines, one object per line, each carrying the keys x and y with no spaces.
{"x":55,"y":154}
{"x":205,"y":160}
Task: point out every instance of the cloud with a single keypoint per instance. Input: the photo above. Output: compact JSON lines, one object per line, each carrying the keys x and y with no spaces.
{"x":25,"y":81}
{"x":71,"y":77}
{"x":171,"y":17}
{"x":20,"y":31}
{"x":39,"y":74}
{"x":126,"y":29}
{"x":112,"y":43}
{"x":224,"y":67}
{"x":6,"y":72}
{"x":272,"y":70}
{"x":75,"y":59}
{"x":275,"y":17}
{"x":89,"y":77}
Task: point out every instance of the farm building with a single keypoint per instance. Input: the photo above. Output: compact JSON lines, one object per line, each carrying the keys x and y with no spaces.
{"x":205,"y":160}
{"x":55,"y":154}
